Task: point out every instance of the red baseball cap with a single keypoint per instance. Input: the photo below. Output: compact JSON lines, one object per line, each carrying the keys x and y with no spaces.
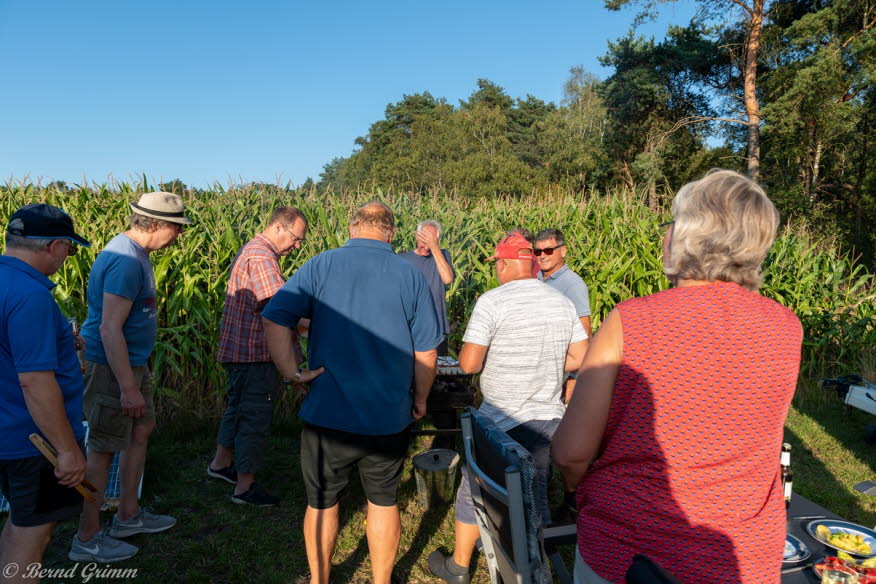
{"x":513,"y":247}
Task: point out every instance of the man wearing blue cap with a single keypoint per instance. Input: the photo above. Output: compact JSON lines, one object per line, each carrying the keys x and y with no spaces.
{"x":40,"y":386}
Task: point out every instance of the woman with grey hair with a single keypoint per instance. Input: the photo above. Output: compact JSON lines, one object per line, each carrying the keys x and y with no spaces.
{"x":673,"y":439}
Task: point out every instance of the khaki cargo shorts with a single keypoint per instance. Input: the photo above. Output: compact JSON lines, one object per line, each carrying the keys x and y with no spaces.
{"x":109,"y":430}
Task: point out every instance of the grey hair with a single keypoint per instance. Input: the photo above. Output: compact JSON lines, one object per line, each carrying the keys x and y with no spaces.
{"x":27,"y":243}
{"x":724,"y":225}
{"x":147,"y":224}
{"x":428,"y":223}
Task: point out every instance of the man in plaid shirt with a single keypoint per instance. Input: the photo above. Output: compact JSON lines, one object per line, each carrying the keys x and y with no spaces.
{"x":253,"y":380}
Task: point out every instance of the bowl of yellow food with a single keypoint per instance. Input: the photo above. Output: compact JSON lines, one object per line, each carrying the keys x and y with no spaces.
{"x":844,"y":536}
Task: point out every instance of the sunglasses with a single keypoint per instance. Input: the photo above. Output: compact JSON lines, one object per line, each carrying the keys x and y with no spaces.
{"x":546,"y":251}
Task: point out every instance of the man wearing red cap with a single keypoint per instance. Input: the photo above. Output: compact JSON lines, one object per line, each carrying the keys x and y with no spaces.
{"x":533,"y":336}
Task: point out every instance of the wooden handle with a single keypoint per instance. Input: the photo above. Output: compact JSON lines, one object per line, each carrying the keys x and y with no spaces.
{"x":84,"y":488}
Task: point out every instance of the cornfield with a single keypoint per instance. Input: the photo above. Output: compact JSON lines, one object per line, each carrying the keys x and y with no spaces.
{"x":614,"y":243}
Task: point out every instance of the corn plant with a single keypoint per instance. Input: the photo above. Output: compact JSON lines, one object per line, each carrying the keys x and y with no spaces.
{"x":613,"y":239}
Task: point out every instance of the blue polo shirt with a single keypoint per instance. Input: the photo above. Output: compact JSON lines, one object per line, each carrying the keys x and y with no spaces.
{"x":370,"y":310}
{"x":569,"y":283}
{"x":34,"y":336}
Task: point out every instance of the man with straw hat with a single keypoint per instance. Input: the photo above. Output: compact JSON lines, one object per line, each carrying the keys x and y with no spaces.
{"x":120,"y":333}
{"x":40,"y":387}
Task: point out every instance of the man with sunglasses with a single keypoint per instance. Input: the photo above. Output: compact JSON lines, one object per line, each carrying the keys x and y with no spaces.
{"x":253,"y":380}
{"x":40,"y":386}
{"x":120,"y":333}
{"x":550,"y":252}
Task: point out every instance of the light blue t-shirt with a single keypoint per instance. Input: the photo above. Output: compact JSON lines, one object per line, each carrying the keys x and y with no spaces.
{"x":569,"y":283}
{"x":34,"y":336}
{"x":123,"y":269}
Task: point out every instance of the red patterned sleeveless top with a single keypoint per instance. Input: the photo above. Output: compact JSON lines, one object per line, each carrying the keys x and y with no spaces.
{"x":688,"y":472}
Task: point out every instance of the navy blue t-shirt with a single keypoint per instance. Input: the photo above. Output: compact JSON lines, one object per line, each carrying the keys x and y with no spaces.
{"x":427,"y":266}
{"x":34,"y":336}
{"x":369,"y":310}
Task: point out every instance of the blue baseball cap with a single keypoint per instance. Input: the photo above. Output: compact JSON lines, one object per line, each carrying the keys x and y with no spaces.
{"x":42,"y":221}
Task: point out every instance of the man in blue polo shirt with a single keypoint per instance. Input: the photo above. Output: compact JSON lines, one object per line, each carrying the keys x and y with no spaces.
{"x":373,"y":331}
{"x":40,"y":386}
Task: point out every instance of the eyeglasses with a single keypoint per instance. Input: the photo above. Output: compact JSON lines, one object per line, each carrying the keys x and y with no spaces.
{"x":546,"y":251}
{"x":667,"y":224}
{"x":71,"y":249}
{"x":292,"y":233}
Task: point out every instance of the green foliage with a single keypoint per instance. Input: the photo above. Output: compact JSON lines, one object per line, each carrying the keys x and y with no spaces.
{"x":613,"y":239}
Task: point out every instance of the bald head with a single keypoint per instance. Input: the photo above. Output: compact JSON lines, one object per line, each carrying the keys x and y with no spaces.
{"x":373,"y":220}
{"x":510,"y":270}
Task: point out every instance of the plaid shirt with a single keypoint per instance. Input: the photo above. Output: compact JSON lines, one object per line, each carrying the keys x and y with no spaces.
{"x":255,"y":277}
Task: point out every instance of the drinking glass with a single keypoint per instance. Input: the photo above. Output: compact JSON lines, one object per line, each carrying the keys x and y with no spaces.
{"x":837,"y":577}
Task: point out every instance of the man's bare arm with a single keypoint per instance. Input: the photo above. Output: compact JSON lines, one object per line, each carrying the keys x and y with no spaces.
{"x":444,"y":269}
{"x":575,"y":355}
{"x":424,"y":376}
{"x":112,"y":322}
{"x":588,"y":328}
{"x":281,"y":346}
{"x":45,"y":402}
{"x":471,"y":357}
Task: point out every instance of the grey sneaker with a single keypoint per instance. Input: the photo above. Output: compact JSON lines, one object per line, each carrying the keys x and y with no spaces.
{"x":101,"y":548}
{"x":143,"y":522}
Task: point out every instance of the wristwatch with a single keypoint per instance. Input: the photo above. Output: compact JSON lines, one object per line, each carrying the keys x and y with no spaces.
{"x":294,"y":379}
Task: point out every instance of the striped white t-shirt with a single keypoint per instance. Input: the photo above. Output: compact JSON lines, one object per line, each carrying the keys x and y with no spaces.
{"x":528,"y":327}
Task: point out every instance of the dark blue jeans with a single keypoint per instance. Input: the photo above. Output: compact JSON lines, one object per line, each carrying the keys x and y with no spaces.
{"x":535,"y":436}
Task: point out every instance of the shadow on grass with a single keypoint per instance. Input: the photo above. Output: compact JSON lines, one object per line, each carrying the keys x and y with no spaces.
{"x":431,"y":522}
{"x":814,"y":480}
{"x":822,"y":432}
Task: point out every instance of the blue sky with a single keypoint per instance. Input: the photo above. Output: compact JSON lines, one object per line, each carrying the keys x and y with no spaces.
{"x":239,"y":91}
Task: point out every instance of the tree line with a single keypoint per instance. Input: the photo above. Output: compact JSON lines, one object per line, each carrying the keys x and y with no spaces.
{"x":779,"y":89}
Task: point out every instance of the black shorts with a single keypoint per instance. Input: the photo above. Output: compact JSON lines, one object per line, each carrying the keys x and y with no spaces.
{"x":34,"y":495}
{"x":328,"y":457}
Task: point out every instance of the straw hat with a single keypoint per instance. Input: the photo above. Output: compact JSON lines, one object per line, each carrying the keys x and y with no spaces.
{"x":161,"y":205}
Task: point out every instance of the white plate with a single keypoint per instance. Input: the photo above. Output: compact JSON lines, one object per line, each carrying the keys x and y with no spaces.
{"x":795,"y":550}
{"x":845,"y":527}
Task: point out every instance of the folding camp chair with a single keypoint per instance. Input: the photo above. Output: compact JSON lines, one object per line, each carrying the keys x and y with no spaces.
{"x":502,"y":477}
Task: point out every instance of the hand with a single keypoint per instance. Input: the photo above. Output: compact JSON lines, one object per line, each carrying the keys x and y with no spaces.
{"x":419,"y":409}
{"x":71,"y":467}
{"x":133,"y":404}
{"x":430,"y":239}
{"x":78,"y":343}
{"x":308,"y":375}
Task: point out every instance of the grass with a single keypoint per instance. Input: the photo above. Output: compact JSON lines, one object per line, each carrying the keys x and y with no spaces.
{"x":219,"y":542}
{"x":829,"y":454}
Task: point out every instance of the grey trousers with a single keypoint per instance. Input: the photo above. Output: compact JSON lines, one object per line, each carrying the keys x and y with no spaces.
{"x":583,"y":573}
{"x":252,"y":390}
